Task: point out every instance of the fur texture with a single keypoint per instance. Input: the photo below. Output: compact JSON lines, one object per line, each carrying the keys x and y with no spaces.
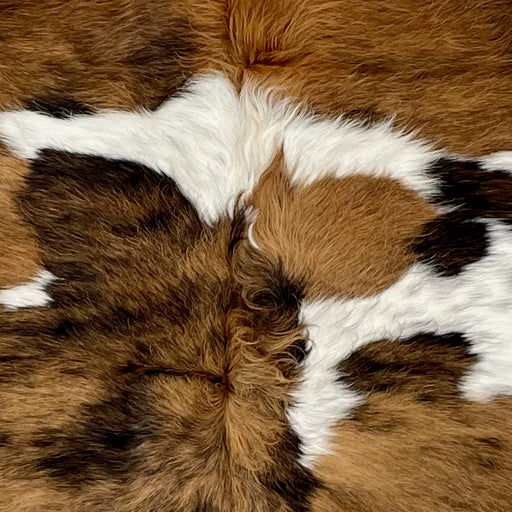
{"x":184,"y":339}
{"x":216,"y":299}
{"x":19,"y":260}
{"x":228,"y":141}
{"x":442,"y":67}
{"x":279,"y":345}
{"x":31,"y":294}
{"x":419,"y":63}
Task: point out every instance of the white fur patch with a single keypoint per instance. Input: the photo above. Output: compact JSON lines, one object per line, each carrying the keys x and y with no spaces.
{"x":321,"y":400}
{"x":216,"y":144}
{"x":476,"y":303}
{"x":317,"y":147}
{"x":190,"y":138}
{"x":28,"y":295}
{"x":251,"y":215}
{"x":500,"y":161}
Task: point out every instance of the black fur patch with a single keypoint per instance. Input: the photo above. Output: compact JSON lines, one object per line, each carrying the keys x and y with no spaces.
{"x":288,"y":479}
{"x":426,"y":366}
{"x":59,"y":107}
{"x":451,"y":242}
{"x":279,"y":293}
{"x":102,"y":446}
{"x":478,"y":193}
{"x":55,"y":171}
{"x":456,"y":239}
{"x":71,"y":201}
{"x":4,"y":439}
{"x":275,"y":306}
{"x":298,"y":350}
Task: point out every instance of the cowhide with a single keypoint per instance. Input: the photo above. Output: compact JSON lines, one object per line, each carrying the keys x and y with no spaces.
{"x":230,"y":281}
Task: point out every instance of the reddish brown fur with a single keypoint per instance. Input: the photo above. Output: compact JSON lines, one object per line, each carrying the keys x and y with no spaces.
{"x":421,"y":63}
{"x":442,"y":67}
{"x":113,"y":54}
{"x":446,"y":459}
{"x":18,"y":252}
{"x":324,"y":233}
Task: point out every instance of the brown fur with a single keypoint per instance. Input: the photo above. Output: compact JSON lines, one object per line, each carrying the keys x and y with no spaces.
{"x":18,"y":256}
{"x":324,"y":233}
{"x":442,"y":67}
{"x":152,"y":385}
{"x":415,"y":445}
{"x":418,"y":62}
{"x":75,"y":55}
{"x":439,"y":458}
{"x":421,"y":63}
{"x":158,"y":378}
{"x":111,"y":54}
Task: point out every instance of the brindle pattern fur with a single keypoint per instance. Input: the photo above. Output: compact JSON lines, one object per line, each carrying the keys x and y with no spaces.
{"x":164,"y":360}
